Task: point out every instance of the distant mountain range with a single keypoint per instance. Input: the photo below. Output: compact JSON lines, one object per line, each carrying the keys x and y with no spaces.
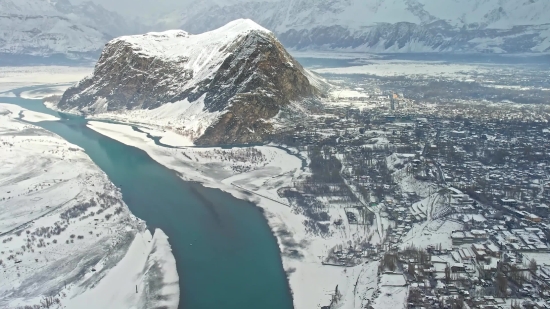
{"x":464,"y":26}
{"x":49,"y":27}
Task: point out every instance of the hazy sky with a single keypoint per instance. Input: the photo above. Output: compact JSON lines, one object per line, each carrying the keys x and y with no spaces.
{"x":137,"y":7}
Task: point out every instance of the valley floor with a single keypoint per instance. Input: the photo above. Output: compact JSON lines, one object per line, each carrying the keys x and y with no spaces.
{"x":256,"y":174}
{"x":67,"y":237}
{"x":260,"y":174}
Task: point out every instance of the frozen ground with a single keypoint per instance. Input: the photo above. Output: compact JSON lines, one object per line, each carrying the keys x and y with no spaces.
{"x":66,"y":234}
{"x":18,"y":77}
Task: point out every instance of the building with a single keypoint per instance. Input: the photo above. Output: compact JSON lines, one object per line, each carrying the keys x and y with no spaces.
{"x":458,"y":267}
{"x":532,"y":218}
{"x":509,"y":202}
{"x":542,"y":210}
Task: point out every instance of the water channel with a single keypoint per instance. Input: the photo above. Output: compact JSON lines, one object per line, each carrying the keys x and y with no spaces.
{"x":225,"y":252}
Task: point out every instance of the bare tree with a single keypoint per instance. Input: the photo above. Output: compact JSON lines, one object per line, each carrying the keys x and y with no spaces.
{"x":533,"y":266}
{"x":411,"y":269}
{"x":389,"y":261}
{"x":501,"y":283}
{"x":447,"y":274}
{"x":457,"y":303}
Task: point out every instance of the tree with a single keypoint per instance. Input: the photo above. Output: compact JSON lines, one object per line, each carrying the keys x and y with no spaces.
{"x":457,"y":303}
{"x":502,"y":283}
{"x":423,"y":257}
{"x":415,"y":296}
{"x":411,"y":269}
{"x":515,"y":304}
{"x":389,"y":261}
{"x":447,"y":274}
{"x":533,"y":266}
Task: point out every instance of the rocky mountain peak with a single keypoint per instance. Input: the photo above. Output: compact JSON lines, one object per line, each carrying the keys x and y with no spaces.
{"x":237,"y":78}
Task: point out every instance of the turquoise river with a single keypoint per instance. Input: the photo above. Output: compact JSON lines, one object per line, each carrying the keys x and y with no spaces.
{"x":225,"y":252}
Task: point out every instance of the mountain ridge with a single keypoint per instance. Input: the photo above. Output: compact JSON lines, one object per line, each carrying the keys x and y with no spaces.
{"x":45,"y":28}
{"x":464,"y":26}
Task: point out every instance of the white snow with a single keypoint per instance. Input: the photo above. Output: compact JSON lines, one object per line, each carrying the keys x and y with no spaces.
{"x":359,"y":19}
{"x":178,"y":123}
{"x":41,"y":93}
{"x":8,"y":95}
{"x":414,"y":69}
{"x":392,"y":279}
{"x":198,"y":56}
{"x":52,"y":245}
{"x":43,"y":28}
{"x":37,"y":117}
{"x":199,"y":49}
{"x":430,"y":232}
{"x":118,"y":288}
{"x":19,"y":77}
{"x":27,"y":115}
{"x":392,"y":297}
{"x":357,"y":14}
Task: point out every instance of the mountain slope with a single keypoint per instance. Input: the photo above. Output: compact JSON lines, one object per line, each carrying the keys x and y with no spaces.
{"x":386,"y":25}
{"x":219,"y":87}
{"x":47,"y":27}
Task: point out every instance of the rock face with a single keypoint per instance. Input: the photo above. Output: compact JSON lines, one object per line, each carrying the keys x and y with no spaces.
{"x":237,"y":78}
{"x":497,"y":26}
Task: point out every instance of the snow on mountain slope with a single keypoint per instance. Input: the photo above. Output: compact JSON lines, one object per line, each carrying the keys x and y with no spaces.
{"x":385,"y":25}
{"x":46,"y":27}
{"x":221,"y":86}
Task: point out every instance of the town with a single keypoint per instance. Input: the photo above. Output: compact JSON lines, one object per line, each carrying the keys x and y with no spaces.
{"x":449,"y":201}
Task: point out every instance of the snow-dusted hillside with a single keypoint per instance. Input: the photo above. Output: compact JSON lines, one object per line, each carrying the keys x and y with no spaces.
{"x":46,"y":27}
{"x":217,"y":87}
{"x":385,"y":25}
{"x":66,"y":236}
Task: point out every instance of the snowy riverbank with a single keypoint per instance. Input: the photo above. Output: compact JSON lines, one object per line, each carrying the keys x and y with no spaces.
{"x":256,"y":174}
{"x":66,"y":234}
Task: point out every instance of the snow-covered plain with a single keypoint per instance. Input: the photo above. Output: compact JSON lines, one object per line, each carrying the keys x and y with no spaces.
{"x":413,"y":68}
{"x":18,"y":77}
{"x":66,"y":234}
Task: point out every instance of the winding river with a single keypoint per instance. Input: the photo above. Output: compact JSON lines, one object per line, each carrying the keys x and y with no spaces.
{"x":225,"y":252}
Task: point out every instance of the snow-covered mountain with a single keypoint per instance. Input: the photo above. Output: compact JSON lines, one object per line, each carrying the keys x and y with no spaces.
{"x":513,"y":26}
{"x":218,"y":87}
{"x":47,"y":27}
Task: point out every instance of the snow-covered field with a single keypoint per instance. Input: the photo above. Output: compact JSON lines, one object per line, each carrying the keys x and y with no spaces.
{"x":18,"y":77}
{"x":67,"y":236}
{"x":413,"y":68}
